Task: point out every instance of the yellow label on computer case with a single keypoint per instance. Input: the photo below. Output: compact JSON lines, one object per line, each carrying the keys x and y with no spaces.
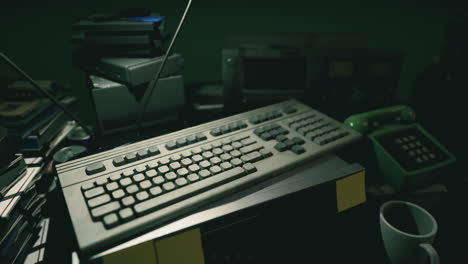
{"x":350,"y":191}
{"x":181,"y":248}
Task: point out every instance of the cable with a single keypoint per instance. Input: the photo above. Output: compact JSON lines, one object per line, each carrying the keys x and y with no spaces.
{"x":154,"y":81}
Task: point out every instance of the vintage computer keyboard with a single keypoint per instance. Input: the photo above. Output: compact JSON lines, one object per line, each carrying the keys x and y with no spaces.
{"x":118,"y":194}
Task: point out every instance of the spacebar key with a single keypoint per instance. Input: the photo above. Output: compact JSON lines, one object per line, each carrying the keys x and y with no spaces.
{"x":189,"y":190}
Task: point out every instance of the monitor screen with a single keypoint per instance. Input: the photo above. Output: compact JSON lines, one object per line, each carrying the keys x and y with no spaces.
{"x":279,"y":73}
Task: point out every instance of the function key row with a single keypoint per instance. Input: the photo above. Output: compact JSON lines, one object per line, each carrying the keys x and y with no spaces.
{"x":218,"y":131}
{"x":185,"y":141}
{"x":289,"y":109}
{"x":134,"y":156}
{"x":265,"y":117}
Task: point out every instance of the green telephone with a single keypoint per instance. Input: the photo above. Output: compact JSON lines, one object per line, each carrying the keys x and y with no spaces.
{"x":407,"y":155}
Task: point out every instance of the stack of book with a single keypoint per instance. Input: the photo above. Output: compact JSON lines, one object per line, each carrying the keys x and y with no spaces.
{"x":34,"y":120}
{"x":21,"y":202}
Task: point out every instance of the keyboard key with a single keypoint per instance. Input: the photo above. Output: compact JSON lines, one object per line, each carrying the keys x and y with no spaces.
{"x":110,"y":220}
{"x":118,"y":194}
{"x":171,"y":145}
{"x":204,"y":173}
{"x":191,"y":139}
{"x":226,"y":141}
{"x":186,"y":162}
{"x":145,"y":184}
{"x":249,"y":168}
{"x":140,"y":168}
{"x":289,"y":143}
{"x":196,"y":150}
{"x":259,"y":131}
{"x":193,"y":168}
{"x":197,"y":158}
{"x":235,"y":153}
{"x":215,"y":132}
{"x":226,"y":166}
{"x":247,"y":141}
{"x":207,"y":154}
{"x":175,"y":157}
{"x":236,"y":162}
{"x":206,"y":147}
{"x":127,"y":201}
{"x":164,"y":161}
{"x":225,"y":157}
{"x":281,"y":138}
{"x":130,"y":157}
{"x":105,"y":209}
{"x":132,"y":189}
{"x":141,"y":196}
{"x":112,"y":186}
{"x":93,"y":192}
{"x":251,"y":157}
{"x":118,"y":161}
{"x":193,"y":177}
{"x":186,"y":154}
{"x":164,"y":199}
{"x":151,"y":173}
{"x":298,"y":141}
{"x":225,"y":129}
{"x":204,"y":164}
{"x":217,"y":151}
{"x":158,"y":180}
{"x":175,"y":165}
{"x":266,"y":153}
{"x":241,"y":124}
{"x":156,"y":191}
{"x":227,"y":148}
{"x":115,"y":177}
{"x":216,"y":144}
{"x":297,"y":149}
{"x":215,"y":169}
{"x":163,"y":169}
{"x":142,"y":153}
{"x":170,"y":175}
{"x":152,"y":164}
{"x":239,"y":137}
{"x":95,"y":168}
{"x":266,"y":136}
{"x":168,"y":186}
{"x":139,"y":177}
{"x":181,"y":182}
{"x":126,"y":214}
{"x":233,"y":126}
{"x":97,"y":201}
{"x":181,"y":142}
{"x":153,"y":150}
{"x":125,"y":181}
{"x":236,"y":145}
{"x":200,"y":137}
{"x":280,"y":146}
{"x":127,"y":172}
{"x":215,"y":160}
{"x":182,"y":172}
{"x":87,"y":186}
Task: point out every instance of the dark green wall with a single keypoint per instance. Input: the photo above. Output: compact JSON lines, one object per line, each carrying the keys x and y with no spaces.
{"x":37,"y":36}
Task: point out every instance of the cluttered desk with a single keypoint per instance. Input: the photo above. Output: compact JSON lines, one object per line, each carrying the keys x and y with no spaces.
{"x":281,"y":166}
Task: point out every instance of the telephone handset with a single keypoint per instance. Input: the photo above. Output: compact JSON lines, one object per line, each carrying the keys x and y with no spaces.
{"x":407,"y":155}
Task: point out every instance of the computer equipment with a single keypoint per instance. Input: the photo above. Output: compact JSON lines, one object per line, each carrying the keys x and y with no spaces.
{"x":118,"y":194}
{"x":265,"y":67}
{"x":134,"y":71}
{"x":112,"y":117}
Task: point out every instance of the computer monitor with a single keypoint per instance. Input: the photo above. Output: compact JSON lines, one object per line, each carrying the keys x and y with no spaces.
{"x":265,"y":68}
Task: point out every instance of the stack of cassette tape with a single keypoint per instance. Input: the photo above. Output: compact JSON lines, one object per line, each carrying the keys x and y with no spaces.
{"x":120,"y":54}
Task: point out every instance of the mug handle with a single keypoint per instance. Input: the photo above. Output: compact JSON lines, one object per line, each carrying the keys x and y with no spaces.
{"x":433,"y":255}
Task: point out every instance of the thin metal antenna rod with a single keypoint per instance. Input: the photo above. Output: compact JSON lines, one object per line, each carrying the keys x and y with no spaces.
{"x":46,"y":94}
{"x":154,"y":81}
